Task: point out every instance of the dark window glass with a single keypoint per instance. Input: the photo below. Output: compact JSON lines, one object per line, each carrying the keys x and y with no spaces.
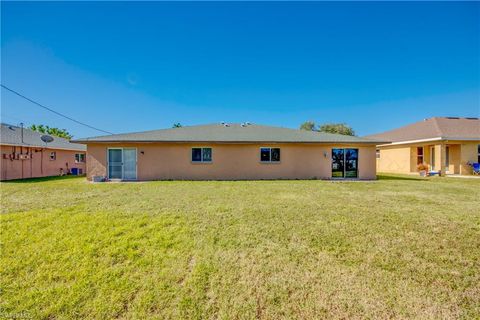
{"x":196,"y":154}
{"x":207,"y":154}
{"x":79,"y":157}
{"x":265,"y":154}
{"x":337,"y":163}
{"x":419,"y":155}
{"x":344,"y":163}
{"x":478,"y":153}
{"x":351,"y":163}
{"x":275,"y":153}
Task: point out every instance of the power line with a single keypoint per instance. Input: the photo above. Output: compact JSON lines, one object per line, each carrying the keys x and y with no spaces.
{"x":51,"y":110}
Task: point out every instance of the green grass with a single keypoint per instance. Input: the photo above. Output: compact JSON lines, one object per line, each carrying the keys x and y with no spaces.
{"x":400,"y":247}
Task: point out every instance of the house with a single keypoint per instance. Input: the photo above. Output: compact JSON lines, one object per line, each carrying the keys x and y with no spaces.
{"x":229,"y":152}
{"x":25,"y":155}
{"x":445,"y":144}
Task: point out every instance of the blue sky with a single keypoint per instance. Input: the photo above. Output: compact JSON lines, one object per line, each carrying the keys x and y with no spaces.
{"x":128,"y":66}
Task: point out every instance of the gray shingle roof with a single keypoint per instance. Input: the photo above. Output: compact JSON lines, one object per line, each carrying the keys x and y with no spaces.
{"x":12,"y":135}
{"x":445,"y":128}
{"x":229,"y":133}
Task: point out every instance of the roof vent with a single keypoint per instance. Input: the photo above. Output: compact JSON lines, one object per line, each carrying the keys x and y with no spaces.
{"x":248,"y":123}
{"x":453,"y":118}
{"x":223,"y":122}
{"x":243,"y":125}
{"x":226,"y":125}
{"x":471,"y":118}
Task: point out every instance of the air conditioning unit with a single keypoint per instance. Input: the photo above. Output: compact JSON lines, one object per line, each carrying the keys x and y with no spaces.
{"x":24,"y":156}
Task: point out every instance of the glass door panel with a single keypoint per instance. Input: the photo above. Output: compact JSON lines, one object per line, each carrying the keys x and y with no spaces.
{"x":129,"y":164}
{"x":115,"y":163}
{"x":351,"y":163}
{"x":338,"y":163}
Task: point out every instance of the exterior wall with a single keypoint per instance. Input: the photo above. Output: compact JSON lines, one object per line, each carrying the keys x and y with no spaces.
{"x":468,"y":153}
{"x":38,"y":164}
{"x":403,"y":158}
{"x":395,"y":160}
{"x":161,"y":161}
{"x":455,"y":159}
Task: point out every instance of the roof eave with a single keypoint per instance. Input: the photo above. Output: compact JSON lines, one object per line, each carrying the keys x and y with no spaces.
{"x":225,"y":141}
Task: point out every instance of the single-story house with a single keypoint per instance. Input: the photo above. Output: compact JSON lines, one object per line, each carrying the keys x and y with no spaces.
{"x":229,"y":152}
{"x":25,"y":155}
{"x":449,"y":145}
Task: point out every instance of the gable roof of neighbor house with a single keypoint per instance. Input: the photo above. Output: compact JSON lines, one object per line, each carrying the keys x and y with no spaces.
{"x":12,"y":135}
{"x":229,"y":133}
{"x":437,"y":128}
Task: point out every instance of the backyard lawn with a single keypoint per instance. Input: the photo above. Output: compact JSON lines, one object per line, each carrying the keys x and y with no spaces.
{"x":400,"y":247}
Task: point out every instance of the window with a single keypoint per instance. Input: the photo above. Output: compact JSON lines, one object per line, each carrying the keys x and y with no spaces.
{"x":79,"y":157}
{"x":378,"y":153}
{"x":419,"y":155}
{"x":201,"y":154}
{"x":270,"y":154}
{"x":53,"y":155}
{"x":478,"y":149}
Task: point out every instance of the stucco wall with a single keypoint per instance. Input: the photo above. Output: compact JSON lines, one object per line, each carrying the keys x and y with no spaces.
{"x":395,"y":160}
{"x":468,"y":153}
{"x":39,"y":164}
{"x":230,"y":161}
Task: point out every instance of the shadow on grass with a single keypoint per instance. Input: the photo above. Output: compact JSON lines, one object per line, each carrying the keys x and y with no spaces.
{"x":42,"y":179}
{"x":401,"y":177}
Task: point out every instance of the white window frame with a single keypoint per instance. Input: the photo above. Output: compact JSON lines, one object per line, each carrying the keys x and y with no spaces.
{"x":80,"y":154}
{"x":201,"y":155}
{"x":54,"y":154}
{"x":270,"y":157}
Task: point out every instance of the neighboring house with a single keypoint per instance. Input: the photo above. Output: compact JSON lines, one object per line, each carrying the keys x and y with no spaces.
{"x":25,"y":155}
{"x":229,"y":152}
{"x":446,"y":144}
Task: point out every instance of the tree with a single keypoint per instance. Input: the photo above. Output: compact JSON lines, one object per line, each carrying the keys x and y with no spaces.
{"x":308,"y":125}
{"x":177,"y":125}
{"x":339,"y":128}
{"x":62,"y":133}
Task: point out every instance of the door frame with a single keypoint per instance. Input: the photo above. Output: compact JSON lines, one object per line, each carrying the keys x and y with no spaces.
{"x":123,"y":169}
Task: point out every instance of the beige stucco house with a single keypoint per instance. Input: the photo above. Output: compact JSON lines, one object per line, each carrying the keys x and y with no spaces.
{"x":25,"y":155}
{"x":448,"y":145}
{"x":229,"y":152}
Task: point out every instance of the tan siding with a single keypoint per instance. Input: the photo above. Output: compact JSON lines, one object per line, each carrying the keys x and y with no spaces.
{"x":230,"y":161}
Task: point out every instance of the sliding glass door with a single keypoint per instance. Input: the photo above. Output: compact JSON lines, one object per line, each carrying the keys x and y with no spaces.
{"x":344,"y":163}
{"x":122,"y":163}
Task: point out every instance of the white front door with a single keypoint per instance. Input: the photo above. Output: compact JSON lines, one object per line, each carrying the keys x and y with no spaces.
{"x":122,"y":164}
